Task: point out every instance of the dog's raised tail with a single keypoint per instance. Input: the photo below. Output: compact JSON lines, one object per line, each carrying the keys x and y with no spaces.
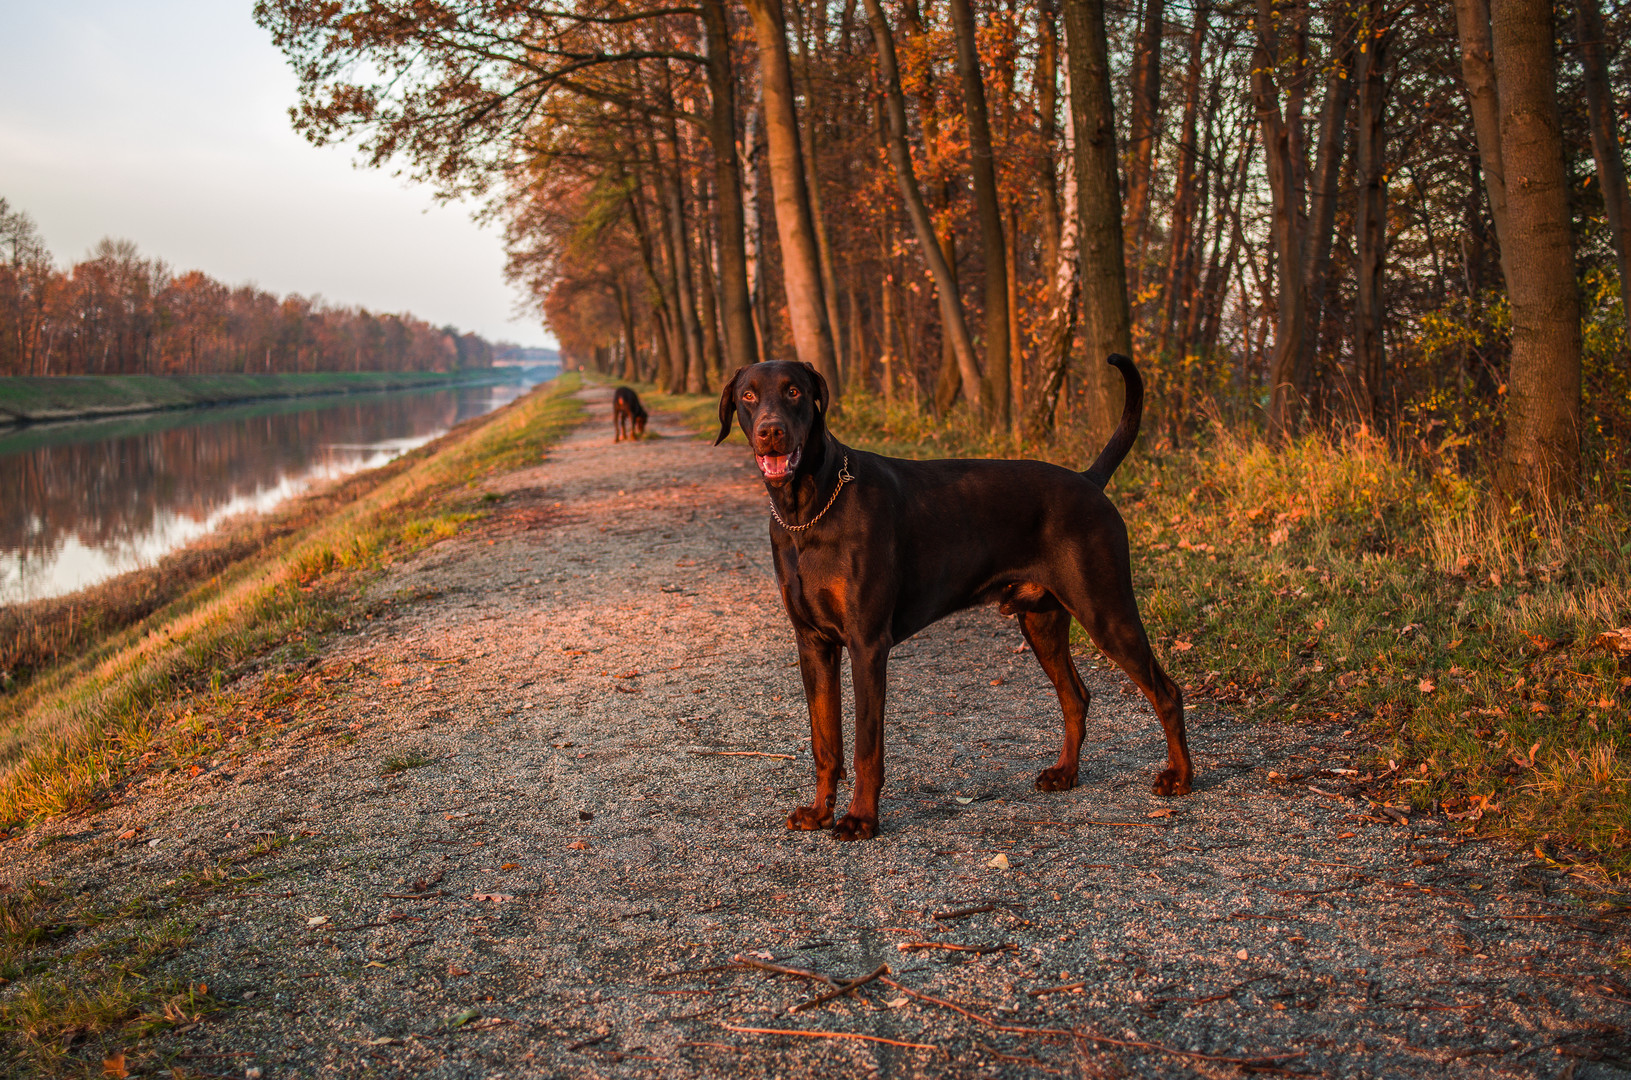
{"x":1126,"y":432}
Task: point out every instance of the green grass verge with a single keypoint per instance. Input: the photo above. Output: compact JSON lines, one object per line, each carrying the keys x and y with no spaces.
{"x":1336,"y":580}
{"x":81,"y":726}
{"x":57,"y":398}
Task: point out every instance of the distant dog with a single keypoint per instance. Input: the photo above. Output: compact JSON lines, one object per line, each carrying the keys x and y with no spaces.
{"x":627,"y":410}
{"x":869,"y":550}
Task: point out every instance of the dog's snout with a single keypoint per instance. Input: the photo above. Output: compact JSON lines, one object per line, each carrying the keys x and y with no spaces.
{"x":770,"y":429}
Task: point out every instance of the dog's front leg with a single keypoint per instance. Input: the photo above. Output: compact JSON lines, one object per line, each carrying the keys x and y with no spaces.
{"x":818,"y":664}
{"x":869,"y":668}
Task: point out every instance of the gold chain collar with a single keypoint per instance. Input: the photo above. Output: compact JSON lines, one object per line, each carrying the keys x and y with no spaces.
{"x":843,"y":477}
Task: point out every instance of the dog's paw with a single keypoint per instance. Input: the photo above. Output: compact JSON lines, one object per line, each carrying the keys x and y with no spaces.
{"x":808,"y":819}
{"x":850,"y":827}
{"x":1056,"y":779}
{"x":1168,"y":783}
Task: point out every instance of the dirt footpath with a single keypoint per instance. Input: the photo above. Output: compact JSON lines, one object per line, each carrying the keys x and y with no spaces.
{"x":531,"y":831}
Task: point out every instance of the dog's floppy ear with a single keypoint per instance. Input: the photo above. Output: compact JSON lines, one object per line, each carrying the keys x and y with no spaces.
{"x":818,"y":388}
{"x":727,"y":405}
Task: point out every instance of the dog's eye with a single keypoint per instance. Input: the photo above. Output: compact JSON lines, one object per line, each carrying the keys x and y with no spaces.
{"x":750,"y":397}
{"x":793,"y":392}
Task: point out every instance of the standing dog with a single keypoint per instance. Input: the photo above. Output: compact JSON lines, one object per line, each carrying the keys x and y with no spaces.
{"x":627,"y":410}
{"x":869,"y":550}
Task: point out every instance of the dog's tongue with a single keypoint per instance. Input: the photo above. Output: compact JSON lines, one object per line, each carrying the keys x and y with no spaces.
{"x":775,"y":466}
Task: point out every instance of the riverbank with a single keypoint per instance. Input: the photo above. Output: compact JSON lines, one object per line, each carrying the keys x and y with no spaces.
{"x":35,"y":399}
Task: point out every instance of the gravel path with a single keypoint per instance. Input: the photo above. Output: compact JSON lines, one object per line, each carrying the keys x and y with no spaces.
{"x":547,"y":797}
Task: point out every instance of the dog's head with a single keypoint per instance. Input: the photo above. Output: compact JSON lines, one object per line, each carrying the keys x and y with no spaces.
{"x":639,"y":422}
{"x":782,"y":407}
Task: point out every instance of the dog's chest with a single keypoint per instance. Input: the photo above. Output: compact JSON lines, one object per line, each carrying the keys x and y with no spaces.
{"x":818,"y":589}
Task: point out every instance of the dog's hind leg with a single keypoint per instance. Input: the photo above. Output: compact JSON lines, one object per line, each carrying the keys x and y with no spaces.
{"x":818,"y":664}
{"x":1048,"y":632}
{"x":1110,"y":616}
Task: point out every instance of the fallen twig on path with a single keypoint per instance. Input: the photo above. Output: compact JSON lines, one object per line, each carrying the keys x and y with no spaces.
{"x":883,"y":969}
{"x":738,"y":753}
{"x":579,"y":1045}
{"x":779,"y":970}
{"x":1065,"y":989}
{"x":830,"y":1035}
{"x":944,"y":916}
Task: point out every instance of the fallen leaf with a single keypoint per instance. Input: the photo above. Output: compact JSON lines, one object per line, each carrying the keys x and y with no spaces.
{"x":510,"y":866}
{"x":621,"y":689}
{"x":115,"y":1066}
{"x":1426,"y":686}
{"x":763,"y":954}
{"x":1241,"y":955}
{"x":317,"y":920}
{"x":373,"y":963}
{"x":383,"y":1040}
{"x":454,"y":971}
{"x":629,"y":675}
{"x":129,"y":833}
{"x":996,"y":682}
{"x":1182,"y":646}
{"x":1617,"y":640}
{"x":1346,"y":836}
{"x":895,"y":1003}
{"x":494,"y":897}
{"x":963,"y":800}
{"x":999,"y":862}
{"x":460,"y":1019}
{"x":1165,"y":811}
{"x":579,"y":845}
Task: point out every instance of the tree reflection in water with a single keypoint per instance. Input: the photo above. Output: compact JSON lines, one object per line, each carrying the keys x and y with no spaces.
{"x":86,"y":501}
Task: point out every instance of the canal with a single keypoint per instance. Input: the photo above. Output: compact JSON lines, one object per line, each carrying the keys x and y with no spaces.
{"x":84,"y":501}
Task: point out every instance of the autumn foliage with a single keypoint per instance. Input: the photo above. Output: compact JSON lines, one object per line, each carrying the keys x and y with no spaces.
{"x":119,"y":313}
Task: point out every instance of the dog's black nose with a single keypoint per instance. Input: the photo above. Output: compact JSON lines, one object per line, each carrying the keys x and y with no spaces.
{"x":769,"y":430}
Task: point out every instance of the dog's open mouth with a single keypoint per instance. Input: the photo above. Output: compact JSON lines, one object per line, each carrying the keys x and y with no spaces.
{"x":778,"y":466}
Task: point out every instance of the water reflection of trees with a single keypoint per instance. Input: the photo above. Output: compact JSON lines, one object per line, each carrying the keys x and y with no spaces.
{"x":111,"y":492}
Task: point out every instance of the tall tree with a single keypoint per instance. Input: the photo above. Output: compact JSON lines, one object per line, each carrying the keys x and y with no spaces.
{"x":1542,"y":450}
{"x":988,"y":205}
{"x":801,"y":266}
{"x":1106,"y":321}
{"x":1605,"y":140}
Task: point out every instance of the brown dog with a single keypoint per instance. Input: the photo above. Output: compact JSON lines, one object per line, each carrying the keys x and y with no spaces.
{"x":869,"y":550}
{"x":627,"y":410}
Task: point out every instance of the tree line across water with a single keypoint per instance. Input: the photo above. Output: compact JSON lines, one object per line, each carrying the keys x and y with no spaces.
{"x":1400,"y":212}
{"x":118,"y":313}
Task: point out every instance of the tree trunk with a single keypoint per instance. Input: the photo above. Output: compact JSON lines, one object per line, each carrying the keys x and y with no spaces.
{"x":1605,"y":141}
{"x":988,"y":208}
{"x":1141,"y":138}
{"x":1286,"y":379}
{"x":1542,"y":451}
{"x":812,"y":180}
{"x":801,"y":266}
{"x":1106,"y":323}
{"x":954,"y":324}
{"x":1332,"y":145}
{"x":631,"y":350}
{"x":735,"y":302}
{"x":1054,"y":363}
{"x":1185,"y":198}
{"x":1370,"y":218}
{"x":684,"y":284}
{"x":1478,"y":72}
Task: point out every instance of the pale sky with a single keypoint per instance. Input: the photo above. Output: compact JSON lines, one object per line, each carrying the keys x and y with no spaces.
{"x":166,"y":122}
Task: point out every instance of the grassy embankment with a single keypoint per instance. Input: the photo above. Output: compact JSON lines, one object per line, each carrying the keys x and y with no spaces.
{"x":92,"y":702}
{"x":79,"y":976}
{"x":29,"y":398}
{"x":1338,"y":580}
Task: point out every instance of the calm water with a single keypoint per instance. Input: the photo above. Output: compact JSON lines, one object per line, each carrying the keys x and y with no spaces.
{"x":81,"y":502}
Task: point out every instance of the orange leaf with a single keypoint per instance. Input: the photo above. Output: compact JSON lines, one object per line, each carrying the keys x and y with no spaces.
{"x":115,"y":1066}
